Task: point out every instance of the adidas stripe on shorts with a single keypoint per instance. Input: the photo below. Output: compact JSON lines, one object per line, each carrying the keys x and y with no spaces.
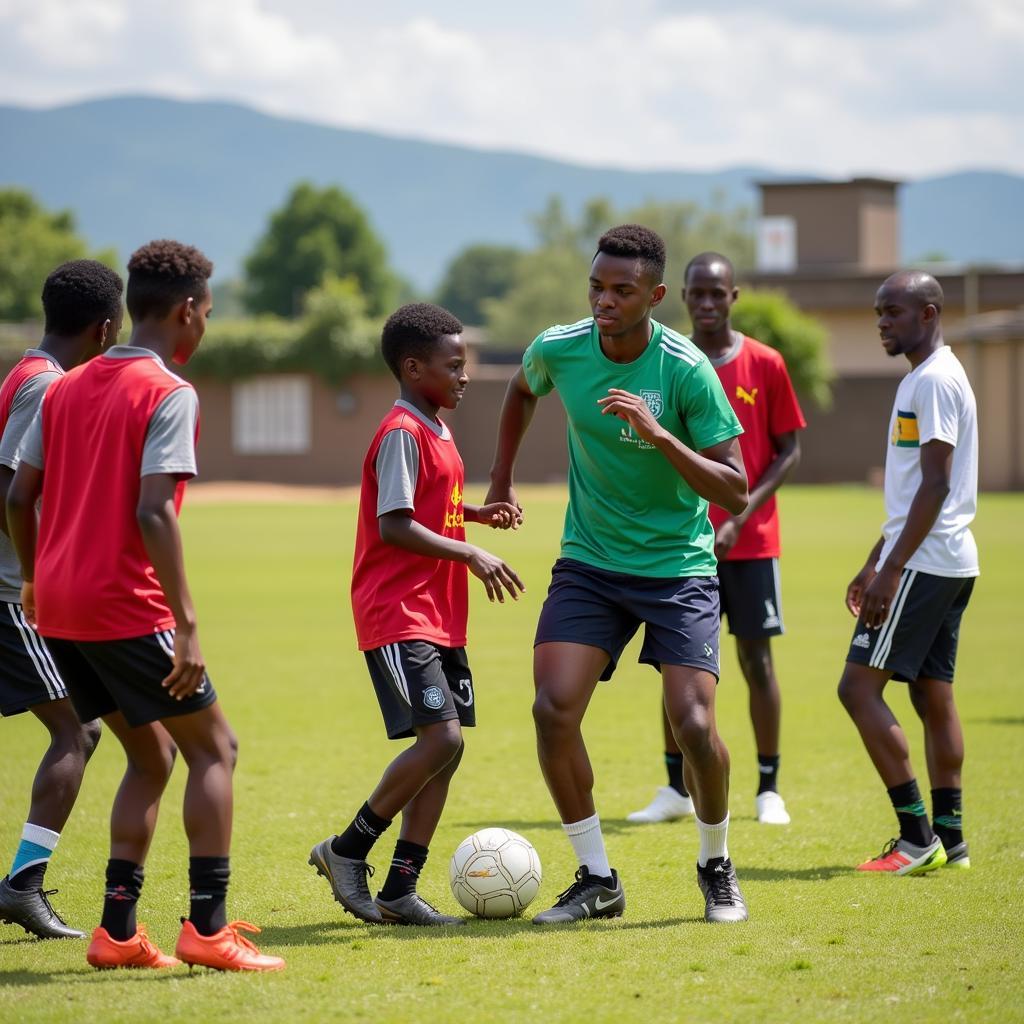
{"x":28,"y":673}
{"x":919,"y":638}
{"x":104,"y":676}
{"x":419,"y":683}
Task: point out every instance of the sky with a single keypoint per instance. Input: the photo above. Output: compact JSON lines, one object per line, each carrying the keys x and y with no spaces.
{"x":906,"y":88}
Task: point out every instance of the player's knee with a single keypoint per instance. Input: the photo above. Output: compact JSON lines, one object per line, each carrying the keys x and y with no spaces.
{"x":918,"y":699}
{"x":548,"y":717}
{"x":756,"y":662}
{"x":90,"y":734}
{"x":693,"y":732}
{"x":442,"y":743}
{"x":232,"y":749}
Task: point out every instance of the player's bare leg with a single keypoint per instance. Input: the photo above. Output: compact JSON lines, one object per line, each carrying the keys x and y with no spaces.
{"x":565,"y":676}
{"x":690,"y":705}
{"x":398,"y":900}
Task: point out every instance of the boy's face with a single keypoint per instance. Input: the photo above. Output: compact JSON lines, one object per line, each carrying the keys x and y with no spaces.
{"x":441,"y":379}
{"x":709,"y":294}
{"x":193,"y":316}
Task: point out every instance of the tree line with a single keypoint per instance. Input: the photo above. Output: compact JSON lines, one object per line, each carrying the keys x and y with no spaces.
{"x":318,"y":282}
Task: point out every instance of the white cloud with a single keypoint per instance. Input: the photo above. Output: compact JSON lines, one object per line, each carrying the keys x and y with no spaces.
{"x":906,"y":88}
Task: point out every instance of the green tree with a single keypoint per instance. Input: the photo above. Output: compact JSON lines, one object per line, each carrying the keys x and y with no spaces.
{"x":477,"y":273}
{"x":34,"y":240}
{"x":316,"y":233}
{"x":771,"y":318}
{"x":551,"y":280}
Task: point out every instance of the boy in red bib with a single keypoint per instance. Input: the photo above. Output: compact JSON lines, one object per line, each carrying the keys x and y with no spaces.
{"x":410,"y":604}
{"x":109,"y":452}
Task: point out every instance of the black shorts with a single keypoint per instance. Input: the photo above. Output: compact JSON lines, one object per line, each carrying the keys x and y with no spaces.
{"x":28,"y":675}
{"x":104,"y":676}
{"x":599,"y":608}
{"x":918,"y":639}
{"x":420,"y":683}
{"x":751,"y":596}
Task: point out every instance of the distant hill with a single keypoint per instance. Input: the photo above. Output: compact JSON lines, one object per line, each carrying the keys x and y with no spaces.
{"x":136,"y":168}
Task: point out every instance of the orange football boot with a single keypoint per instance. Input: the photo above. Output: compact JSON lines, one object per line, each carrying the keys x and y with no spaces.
{"x":226,"y":950}
{"x":105,"y":952}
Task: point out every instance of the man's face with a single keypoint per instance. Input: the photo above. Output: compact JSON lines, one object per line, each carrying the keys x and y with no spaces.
{"x":709,"y":294}
{"x":621,"y":295}
{"x":195,"y":313}
{"x":442,"y":378}
{"x":902,"y":321}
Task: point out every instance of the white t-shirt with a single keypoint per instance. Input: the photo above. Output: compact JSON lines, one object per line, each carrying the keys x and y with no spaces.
{"x":934,"y":402}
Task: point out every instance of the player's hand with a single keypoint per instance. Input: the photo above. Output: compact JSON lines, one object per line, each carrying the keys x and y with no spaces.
{"x":725,"y":538}
{"x":855,"y":591}
{"x":496,"y":575}
{"x":501,"y":515}
{"x":879,"y":594}
{"x":503,"y":494}
{"x":189,"y":668}
{"x":28,"y":602}
{"x":634,"y":410}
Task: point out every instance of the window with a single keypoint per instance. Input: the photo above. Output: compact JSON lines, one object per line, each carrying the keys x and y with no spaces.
{"x":271,"y":415}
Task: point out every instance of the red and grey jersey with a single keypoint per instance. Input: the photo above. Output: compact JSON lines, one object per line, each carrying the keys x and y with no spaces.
{"x":412,"y":464}
{"x":100,"y":429}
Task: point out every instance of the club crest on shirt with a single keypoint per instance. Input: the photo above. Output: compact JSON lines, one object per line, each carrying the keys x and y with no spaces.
{"x":654,"y":402}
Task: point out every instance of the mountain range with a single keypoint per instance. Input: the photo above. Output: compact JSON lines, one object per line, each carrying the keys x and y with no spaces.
{"x":135,"y":168}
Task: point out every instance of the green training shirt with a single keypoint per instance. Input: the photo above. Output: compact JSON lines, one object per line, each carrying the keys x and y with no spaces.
{"x":629,"y":510}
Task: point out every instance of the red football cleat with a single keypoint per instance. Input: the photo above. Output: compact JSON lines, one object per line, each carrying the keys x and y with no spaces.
{"x":226,"y":950}
{"x":105,"y":952}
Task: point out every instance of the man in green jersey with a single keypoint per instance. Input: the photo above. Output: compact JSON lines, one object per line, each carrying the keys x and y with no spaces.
{"x":652,"y":439}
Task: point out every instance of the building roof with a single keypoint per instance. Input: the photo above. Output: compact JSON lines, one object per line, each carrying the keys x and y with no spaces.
{"x":1002,"y":325}
{"x":822,"y":183}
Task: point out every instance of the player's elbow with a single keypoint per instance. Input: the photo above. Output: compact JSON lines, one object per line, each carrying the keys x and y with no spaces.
{"x":738,"y":502}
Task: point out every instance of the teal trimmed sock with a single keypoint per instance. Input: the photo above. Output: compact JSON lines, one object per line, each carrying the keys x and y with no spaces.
{"x":32,"y":856}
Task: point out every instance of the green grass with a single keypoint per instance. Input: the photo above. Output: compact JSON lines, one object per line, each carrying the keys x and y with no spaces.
{"x":271,"y":584}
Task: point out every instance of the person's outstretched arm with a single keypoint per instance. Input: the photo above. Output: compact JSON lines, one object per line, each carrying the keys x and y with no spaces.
{"x":516,"y":413}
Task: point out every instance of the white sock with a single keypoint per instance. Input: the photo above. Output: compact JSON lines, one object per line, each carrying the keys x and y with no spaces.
{"x":713,"y":841}
{"x":588,"y":845}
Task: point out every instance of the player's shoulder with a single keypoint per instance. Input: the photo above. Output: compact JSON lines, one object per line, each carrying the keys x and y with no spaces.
{"x":685,"y":354}
{"x":758,"y":351}
{"x":559,"y":335}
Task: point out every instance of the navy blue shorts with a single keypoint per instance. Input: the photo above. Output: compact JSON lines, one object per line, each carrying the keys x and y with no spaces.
{"x":599,"y":608}
{"x":751,"y":597}
{"x":920,"y":635}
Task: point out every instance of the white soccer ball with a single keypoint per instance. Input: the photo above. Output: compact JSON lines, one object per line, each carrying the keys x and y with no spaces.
{"x":495,"y":873}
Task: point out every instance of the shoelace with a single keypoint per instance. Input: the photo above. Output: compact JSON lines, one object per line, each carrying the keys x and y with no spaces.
{"x":570,"y":894}
{"x":237,"y":927}
{"x":888,"y":848}
{"x":43,"y":893}
{"x":720,"y":884}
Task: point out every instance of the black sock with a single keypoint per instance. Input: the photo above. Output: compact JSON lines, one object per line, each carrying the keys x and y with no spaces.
{"x":29,"y":878}
{"x":909,"y":807}
{"x":406,"y":866}
{"x":768,"y":766}
{"x":674,"y":767}
{"x":124,"y":885}
{"x":208,"y":892}
{"x":947,"y":816}
{"x":358,"y":839}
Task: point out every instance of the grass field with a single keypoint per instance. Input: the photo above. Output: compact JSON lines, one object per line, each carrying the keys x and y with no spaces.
{"x":823,"y":944}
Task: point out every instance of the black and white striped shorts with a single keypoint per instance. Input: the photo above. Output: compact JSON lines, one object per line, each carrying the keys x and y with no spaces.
{"x":919,"y":638}
{"x":420,"y":683}
{"x":28,"y":674}
{"x":104,"y":676}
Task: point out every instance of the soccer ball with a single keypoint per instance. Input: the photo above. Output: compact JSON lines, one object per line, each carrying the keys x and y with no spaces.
{"x":495,"y":873}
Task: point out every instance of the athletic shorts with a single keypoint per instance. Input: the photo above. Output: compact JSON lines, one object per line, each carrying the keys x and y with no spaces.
{"x":104,"y":676}
{"x":751,"y":597}
{"x":420,"y":683}
{"x":918,"y":639}
{"x":28,"y":675}
{"x":599,"y":608}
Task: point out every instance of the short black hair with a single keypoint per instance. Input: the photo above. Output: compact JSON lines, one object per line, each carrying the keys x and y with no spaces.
{"x":413,"y":330}
{"x":709,"y":259}
{"x":80,"y":293}
{"x":638,"y":242}
{"x":163,"y":273}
